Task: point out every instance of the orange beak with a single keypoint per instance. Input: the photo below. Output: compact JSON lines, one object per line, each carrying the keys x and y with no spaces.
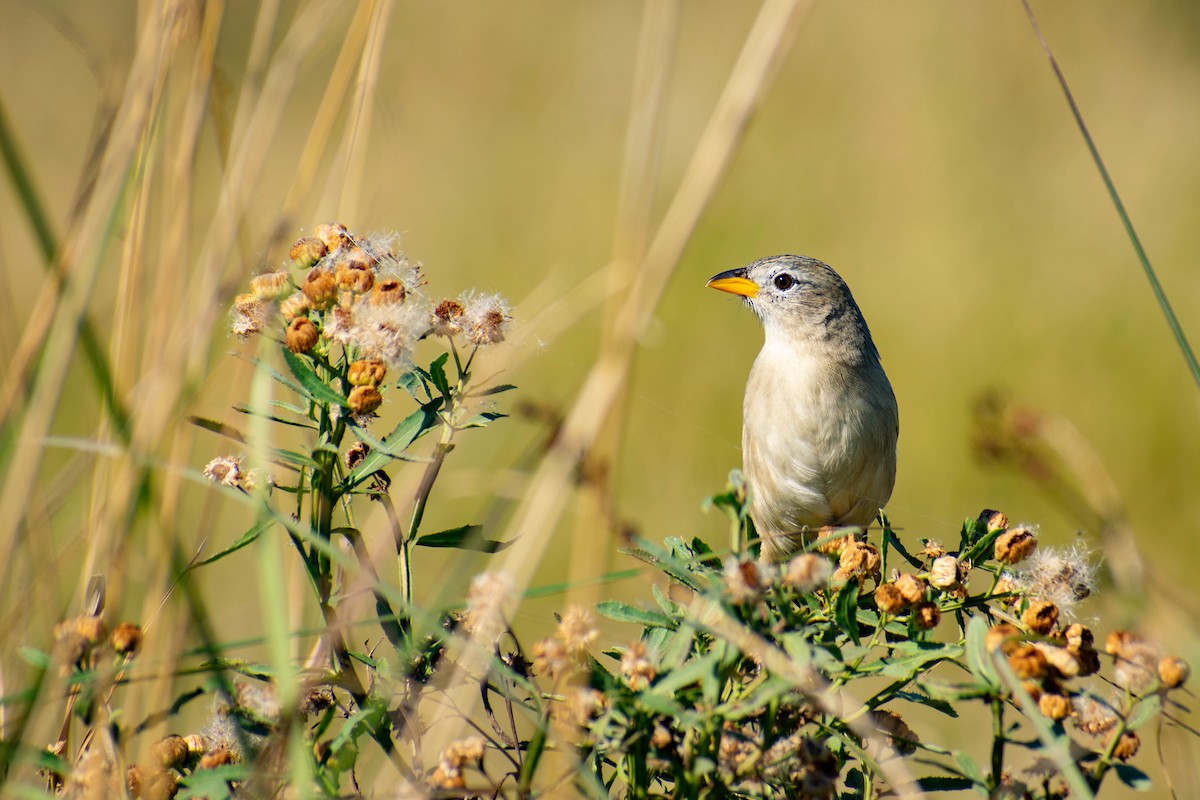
{"x":734,"y":281}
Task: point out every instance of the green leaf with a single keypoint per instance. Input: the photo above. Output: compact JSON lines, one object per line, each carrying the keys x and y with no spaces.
{"x":926,"y":700}
{"x":437,"y":374}
{"x":1146,"y":710}
{"x":274,"y":373}
{"x":482,"y":419}
{"x":409,"y":382}
{"x":969,"y":767}
{"x":464,"y":537}
{"x":1133,"y":777}
{"x":845,"y":608}
{"x":978,"y":658}
{"x":294,"y":458}
{"x":313,"y":386}
{"x":624,"y":612}
{"x":256,"y":530}
{"x":34,"y":657}
{"x":981,"y":550}
{"x":393,"y":445}
{"x":497,"y":389}
{"x":891,"y":540}
{"x":213,"y":783}
{"x":242,"y":408}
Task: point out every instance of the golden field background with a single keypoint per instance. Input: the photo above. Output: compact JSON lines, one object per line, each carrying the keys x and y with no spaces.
{"x":923,"y":150}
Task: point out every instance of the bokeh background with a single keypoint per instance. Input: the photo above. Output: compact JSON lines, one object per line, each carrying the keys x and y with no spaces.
{"x":923,"y":150}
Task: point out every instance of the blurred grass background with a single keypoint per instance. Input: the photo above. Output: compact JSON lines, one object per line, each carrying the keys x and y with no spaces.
{"x":922,"y":150}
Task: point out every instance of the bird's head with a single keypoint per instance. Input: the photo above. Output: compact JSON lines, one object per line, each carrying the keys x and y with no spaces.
{"x":802,"y":299}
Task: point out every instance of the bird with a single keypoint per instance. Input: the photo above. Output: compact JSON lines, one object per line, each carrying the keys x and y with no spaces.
{"x":820,"y":420}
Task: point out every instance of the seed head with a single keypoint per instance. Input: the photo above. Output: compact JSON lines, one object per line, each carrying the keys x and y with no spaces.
{"x":993,"y":521}
{"x":1041,"y":617}
{"x":1028,"y":662}
{"x":225,"y":470}
{"x":1003,"y":637}
{"x":302,"y":335}
{"x":1015,"y":545}
{"x":943,"y":574}
{"x":912,"y":589}
{"x":1055,"y":706}
{"x":744,"y":581}
{"x":1127,"y":746}
{"x":388,"y":293}
{"x":1136,"y":661}
{"x":808,"y":572}
{"x":126,"y":639}
{"x":366,"y":372}
{"x":295,"y":306}
{"x":249,"y":315}
{"x":927,"y":615}
{"x":307,"y":251}
{"x":364,"y":399}
{"x":859,"y":559}
{"x":894,"y":727}
{"x":832,"y":546}
{"x":355,"y":455}
{"x":1062,"y":661}
{"x":888,"y":599}
{"x":577,"y":629}
{"x":271,"y":285}
{"x":933,"y":549}
{"x":485,"y":319}
{"x":550,"y":657}
{"x":333,"y":235}
{"x":170,"y":751}
{"x":355,"y":277}
{"x":320,"y":287}
{"x":1092,"y":716}
{"x":1173,"y":672}
{"x":637,"y":668}
{"x":490,"y":592}
{"x":448,"y":318}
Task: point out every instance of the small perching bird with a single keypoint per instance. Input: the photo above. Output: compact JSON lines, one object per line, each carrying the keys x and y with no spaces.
{"x":820,"y":421}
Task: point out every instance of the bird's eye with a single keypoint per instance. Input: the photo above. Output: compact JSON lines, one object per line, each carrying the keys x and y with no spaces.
{"x":783,"y":281}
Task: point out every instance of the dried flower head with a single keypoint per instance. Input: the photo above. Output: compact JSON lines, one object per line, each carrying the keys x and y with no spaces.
{"x":448,"y":318}
{"x":1127,"y":746}
{"x":364,"y":399}
{"x":933,"y":549}
{"x":1041,"y":617}
{"x":1015,"y":545}
{"x":1093,"y":716}
{"x":126,"y":639}
{"x":170,"y":751}
{"x":888,"y":599}
{"x":550,"y":657}
{"x":808,"y":572}
{"x":320,"y":287}
{"x":911,"y":588}
{"x":1064,"y":663}
{"x":577,"y":629}
{"x":1173,"y":672}
{"x":226,"y":470}
{"x":307,"y":251}
{"x":831,"y":542}
{"x":584,"y":704}
{"x":943,"y":574}
{"x":301,"y":336}
{"x":637,"y":667}
{"x":366,"y":372}
{"x":927,"y":615}
{"x":993,"y":521}
{"x":271,"y":285}
{"x":354,"y":277}
{"x":858,"y":559}
{"x":356,"y":454}
{"x":388,"y":293}
{"x":487,"y":599}
{"x":386,"y":332}
{"x":1055,"y":706}
{"x":485,"y":319}
{"x":1060,"y":576}
{"x":1004,"y":637}
{"x":1136,"y":661}
{"x":333,"y":235}
{"x":249,"y":315}
{"x":1028,"y":662}
{"x":744,"y":581}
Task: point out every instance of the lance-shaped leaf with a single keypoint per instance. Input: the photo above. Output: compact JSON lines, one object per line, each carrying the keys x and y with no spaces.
{"x":312,"y":384}
{"x":394,"y":444}
{"x":464,"y":537}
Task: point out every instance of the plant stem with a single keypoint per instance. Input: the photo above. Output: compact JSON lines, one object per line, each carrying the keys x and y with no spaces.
{"x":997,"y":741}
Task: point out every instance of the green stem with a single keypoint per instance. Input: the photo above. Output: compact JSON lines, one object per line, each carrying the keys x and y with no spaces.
{"x":997,"y":742}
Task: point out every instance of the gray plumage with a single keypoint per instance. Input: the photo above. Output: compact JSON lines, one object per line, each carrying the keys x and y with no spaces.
{"x":820,"y":419}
